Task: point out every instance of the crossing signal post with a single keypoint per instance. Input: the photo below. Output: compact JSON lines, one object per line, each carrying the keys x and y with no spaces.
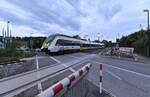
{"x":100,"y":78}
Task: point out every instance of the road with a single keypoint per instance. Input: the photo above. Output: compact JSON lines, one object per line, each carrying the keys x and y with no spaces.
{"x":122,"y":78}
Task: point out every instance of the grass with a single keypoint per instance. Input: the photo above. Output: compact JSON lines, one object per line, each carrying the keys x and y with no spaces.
{"x":13,"y":54}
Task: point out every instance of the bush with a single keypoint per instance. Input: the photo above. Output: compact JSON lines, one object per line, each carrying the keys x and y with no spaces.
{"x":14,"y":53}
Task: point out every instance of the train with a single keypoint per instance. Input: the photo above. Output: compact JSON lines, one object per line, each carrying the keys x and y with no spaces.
{"x":62,"y":43}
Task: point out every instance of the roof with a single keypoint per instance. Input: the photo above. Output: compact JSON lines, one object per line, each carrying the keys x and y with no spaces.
{"x":55,"y":35}
{"x":67,"y":36}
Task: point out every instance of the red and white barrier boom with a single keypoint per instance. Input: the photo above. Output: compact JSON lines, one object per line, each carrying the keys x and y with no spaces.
{"x":66,"y":82}
{"x":100,"y":78}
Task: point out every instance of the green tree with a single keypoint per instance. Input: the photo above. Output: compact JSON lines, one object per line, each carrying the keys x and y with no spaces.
{"x":139,"y":40}
{"x":107,"y":43}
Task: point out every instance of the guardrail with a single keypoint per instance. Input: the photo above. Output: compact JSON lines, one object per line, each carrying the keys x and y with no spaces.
{"x":65,"y":83}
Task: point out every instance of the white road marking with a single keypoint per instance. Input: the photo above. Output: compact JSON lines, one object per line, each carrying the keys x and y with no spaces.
{"x":71,"y":69}
{"x":113,"y":74}
{"x":74,"y":56}
{"x":137,"y":73}
{"x":38,"y":74}
{"x":55,"y":60}
{"x":83,"y":56}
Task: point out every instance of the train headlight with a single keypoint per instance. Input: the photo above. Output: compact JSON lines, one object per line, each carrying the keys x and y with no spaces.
{"x":46,"y":45}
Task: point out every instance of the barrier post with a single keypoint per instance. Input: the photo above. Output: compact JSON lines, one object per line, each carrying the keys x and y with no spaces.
{"x":100,"y":78}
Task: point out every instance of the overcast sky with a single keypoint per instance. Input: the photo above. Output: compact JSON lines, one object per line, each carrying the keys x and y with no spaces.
{"x":71,"y":17}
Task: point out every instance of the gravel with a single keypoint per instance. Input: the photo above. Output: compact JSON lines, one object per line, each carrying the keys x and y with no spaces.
{"x":28,"y":65}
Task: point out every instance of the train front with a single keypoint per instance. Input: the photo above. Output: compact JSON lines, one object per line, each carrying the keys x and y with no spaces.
{"x":47,"y":43}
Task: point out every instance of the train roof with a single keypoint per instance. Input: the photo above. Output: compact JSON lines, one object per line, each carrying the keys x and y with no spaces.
{"x":83,"y":40}
{"x":54,"y":35}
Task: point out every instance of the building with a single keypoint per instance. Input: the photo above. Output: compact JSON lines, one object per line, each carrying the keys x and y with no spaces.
{"x":1,"y":45}
{"x":24,"y":45}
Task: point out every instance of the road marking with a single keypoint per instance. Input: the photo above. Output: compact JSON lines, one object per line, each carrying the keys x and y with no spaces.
{"x":137,"y":73}
{"x":55,"y":60}
{"x":74,"y":56}
{"x":38,"y":74}
{"x":71,"y":69}
{"x":113,"y":74}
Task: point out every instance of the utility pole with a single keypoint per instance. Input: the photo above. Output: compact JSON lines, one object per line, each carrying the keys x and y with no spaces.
{"x":148,"y":45}
{"x":8,"y":28}
{"x":5,"y":38}
{"x":3,"y":34}
{"x":8,"y":38}
{"x":147,"y":11}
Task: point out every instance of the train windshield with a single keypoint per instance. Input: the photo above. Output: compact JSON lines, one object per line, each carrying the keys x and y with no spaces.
{"x":50,"y":38}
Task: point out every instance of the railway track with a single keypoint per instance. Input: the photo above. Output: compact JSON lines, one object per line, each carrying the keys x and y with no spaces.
{"x":11,"y":62}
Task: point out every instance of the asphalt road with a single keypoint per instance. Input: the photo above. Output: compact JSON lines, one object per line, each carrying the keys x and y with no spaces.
{"x":122,"y":78}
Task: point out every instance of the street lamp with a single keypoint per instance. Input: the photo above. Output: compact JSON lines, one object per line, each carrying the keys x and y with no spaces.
{"x":148,"y":46}
{"x":147,"y":11}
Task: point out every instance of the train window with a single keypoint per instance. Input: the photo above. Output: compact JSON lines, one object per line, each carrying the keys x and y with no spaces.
{"x":63,"y":42}
{"x":87,"y":45}
{"x":60,"y":42}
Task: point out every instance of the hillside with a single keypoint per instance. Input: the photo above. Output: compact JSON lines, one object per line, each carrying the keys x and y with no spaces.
{"x":139,"y":40}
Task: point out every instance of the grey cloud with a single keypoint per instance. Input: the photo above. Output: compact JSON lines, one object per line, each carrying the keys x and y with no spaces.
{"x":15,"y":20}
{"x":7,"y":15}
{"x":74,"y":2}
{"x":76,"y":5}
{"x":42,"y":14}
{"x":108,"y":9}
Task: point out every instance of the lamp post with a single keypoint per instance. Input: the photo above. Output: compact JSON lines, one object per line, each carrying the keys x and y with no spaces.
{"x":147,"y":11}
{"x":3,"y":35}
{"x":148,"y":46}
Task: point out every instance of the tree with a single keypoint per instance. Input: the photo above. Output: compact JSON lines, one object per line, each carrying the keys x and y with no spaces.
{"x":97,"y":41}
{"x":1,"y":39}
{"x":107,"y":43}
{"x":139,"y":40}
{"x":15,"y":43}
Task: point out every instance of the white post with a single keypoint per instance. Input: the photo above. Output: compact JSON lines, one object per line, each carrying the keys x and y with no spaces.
{"x":135,"y":57}
{"x":38,"y":75}
{"x":100,"y":79}
{"x":119,"y":53}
